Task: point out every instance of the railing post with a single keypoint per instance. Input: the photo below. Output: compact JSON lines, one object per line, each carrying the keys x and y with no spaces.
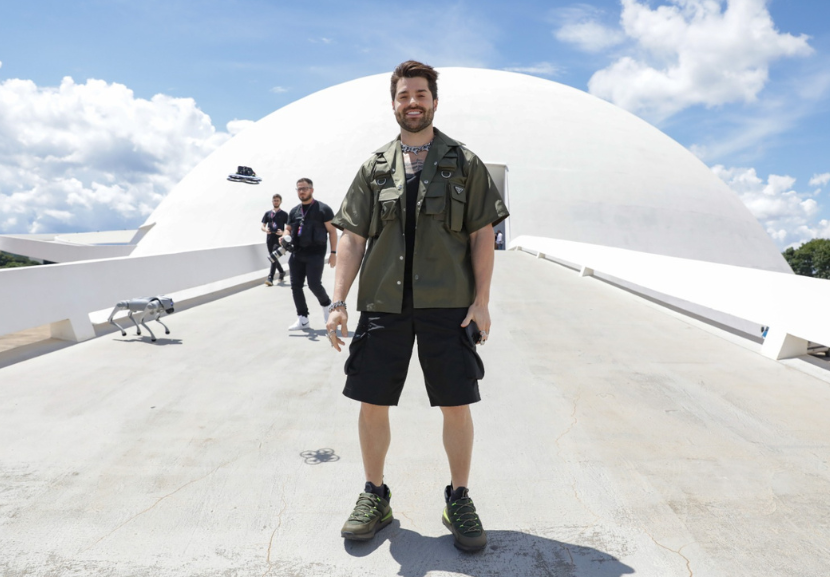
{"x":75,"y":329}
{"x":780,"y":345}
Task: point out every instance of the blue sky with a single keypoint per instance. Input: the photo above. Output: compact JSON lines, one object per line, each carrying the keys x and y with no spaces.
{"x":156,"y":86}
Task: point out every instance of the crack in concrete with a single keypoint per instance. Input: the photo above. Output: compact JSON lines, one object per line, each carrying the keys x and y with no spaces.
{"x":584,"y":506}
{"x":140,"y":513}
{"x":410,"y":520}
{"x":279,"y":524}
{"x":574,"y":421}
{"x":678,"y":552}
{"x":569,"y":555}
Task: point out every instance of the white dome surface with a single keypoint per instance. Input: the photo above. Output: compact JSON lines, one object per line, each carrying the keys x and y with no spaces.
{"x":580,"y":169}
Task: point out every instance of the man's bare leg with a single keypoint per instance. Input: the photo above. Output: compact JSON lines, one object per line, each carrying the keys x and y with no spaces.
{"x":458,"y":442}
{"x":375,"y":436}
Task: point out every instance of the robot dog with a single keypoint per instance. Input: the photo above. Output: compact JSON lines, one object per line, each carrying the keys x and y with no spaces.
{"x":145,"y":307}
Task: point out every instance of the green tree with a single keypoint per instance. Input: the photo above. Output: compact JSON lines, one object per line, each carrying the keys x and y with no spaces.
{"x":10,"y":261}
{"x":811,"y":258}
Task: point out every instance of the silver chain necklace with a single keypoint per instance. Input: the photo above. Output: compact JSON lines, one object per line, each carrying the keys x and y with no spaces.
{"x":416,"y":149}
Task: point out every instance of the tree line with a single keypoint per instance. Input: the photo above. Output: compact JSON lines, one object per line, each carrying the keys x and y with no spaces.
{"x":810,"y":259}
{"x":10,"y":260}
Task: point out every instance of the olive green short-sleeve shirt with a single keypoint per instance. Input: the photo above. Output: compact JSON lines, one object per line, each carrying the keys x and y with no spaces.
{"x":456,"y":197}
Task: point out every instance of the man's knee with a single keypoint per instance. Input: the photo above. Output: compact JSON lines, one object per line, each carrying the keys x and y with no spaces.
{"x":371,"y":412}
{"x":460,"y":413}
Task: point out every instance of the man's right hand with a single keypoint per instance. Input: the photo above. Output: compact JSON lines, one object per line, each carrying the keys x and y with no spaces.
{"x":337,"y":318}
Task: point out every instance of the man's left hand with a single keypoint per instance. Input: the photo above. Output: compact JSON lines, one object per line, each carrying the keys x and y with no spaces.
{"x":332,"y":260}
{"x":481,"y":315}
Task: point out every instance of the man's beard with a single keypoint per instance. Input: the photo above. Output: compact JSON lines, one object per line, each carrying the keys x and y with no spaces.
{"x":424,"y":122}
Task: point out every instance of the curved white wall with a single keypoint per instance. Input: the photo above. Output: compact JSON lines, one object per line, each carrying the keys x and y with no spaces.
{"x":580,"y":168}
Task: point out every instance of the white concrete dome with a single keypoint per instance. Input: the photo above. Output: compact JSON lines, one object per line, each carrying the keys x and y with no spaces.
{"x":580,"y":169}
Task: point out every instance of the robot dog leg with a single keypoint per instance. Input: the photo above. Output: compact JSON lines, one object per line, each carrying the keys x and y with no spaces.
{"x":119,"y":306}
{"x":137,"y":328}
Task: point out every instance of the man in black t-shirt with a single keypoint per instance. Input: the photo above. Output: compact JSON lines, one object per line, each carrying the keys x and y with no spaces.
{"x":273,"y":225}
{"x":309,"y":224}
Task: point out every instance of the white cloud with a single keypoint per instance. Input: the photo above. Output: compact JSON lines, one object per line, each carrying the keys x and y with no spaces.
{"x":279,"y":89}
{"x":693,"y":52}
{"x":787,"y":216}
{"x":580,"y":25}
{"x":820,"y":179}
{"x":589,"y":36}
{"x":538,"y":69}
{"x":93,"y":156}
{"x":236,"y":126}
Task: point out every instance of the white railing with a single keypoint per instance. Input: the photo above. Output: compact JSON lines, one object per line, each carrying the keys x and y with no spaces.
{"x":58,"y":249}
{"x":791,"y":306}
{"x":63,"y":295}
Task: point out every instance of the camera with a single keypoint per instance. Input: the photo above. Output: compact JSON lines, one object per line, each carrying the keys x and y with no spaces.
{"x":286,"y":245}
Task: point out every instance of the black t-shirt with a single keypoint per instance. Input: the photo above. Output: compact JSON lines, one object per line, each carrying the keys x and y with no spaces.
{"x":275,"y":219}
{"x":307,"y":226}
{"x":412,"y":181}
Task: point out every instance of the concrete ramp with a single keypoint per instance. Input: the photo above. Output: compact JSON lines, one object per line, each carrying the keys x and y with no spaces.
{"x":614,"y":438}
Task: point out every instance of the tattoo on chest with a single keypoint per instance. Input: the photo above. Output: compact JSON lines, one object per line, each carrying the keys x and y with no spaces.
{"x":414,"y":162}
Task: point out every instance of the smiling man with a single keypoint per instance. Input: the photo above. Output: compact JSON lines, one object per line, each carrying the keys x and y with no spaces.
{"x":427,"y":206}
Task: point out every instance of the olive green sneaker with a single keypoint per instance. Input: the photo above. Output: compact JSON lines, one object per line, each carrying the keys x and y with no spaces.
{"x":370,"y":515}
{"x":461,"y":519}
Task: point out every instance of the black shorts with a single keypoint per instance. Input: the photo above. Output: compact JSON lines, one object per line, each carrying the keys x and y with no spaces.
{"x":382,"y":347}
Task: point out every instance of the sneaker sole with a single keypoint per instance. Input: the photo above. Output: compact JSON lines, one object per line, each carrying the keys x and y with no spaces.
{"x":366,"y":536}
{"x":459,"y":544}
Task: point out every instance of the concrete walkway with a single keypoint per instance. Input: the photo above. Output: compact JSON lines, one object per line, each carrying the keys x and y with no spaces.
{"x":614,"y":438}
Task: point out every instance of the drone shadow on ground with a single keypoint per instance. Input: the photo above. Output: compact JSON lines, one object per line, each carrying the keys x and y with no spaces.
{"x":507,"y":553}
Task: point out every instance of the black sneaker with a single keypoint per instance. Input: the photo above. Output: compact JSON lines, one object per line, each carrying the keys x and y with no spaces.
{"x":282,"y":275}
{"x":269,"y":281}
{"x":461,"y":519}
{"x":371,"y":514}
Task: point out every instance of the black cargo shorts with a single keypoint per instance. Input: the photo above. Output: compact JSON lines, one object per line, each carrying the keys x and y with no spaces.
{"x":382,"y":347}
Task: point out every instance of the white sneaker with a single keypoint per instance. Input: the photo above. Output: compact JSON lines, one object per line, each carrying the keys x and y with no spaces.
{"x":325,"y":314}
{"x":301,"y":324}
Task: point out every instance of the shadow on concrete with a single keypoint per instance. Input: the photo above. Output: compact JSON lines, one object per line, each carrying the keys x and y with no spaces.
{"x":315,"y":335}
{"x":161,"y":341}
{"x":319,"y":456}
{"x":507,"y":553}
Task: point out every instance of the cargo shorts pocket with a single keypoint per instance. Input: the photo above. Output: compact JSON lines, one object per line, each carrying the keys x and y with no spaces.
{"x":474,"y":364}
{"x":358,"y":344}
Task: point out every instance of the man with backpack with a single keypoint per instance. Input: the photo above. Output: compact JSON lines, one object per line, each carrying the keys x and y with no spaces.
{"x":417,"y":223}
{"x":309,"y":224}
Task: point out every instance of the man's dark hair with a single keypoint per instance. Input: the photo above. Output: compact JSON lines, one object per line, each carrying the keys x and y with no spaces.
{"x":415,"y":69}
{"x":307,"y":181}
{"x":278,"y":195}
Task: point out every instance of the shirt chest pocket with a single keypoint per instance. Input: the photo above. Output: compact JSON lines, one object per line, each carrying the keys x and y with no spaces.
{"x":458,"y":205}
{"x":388,"y":201}
{"x":435,"y":201}
{"x":448,"y":194}
{"x":385,"y":209}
